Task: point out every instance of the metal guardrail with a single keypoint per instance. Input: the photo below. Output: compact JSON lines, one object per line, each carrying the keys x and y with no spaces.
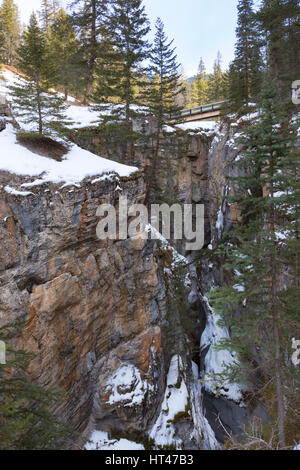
{"x":206,"y":108}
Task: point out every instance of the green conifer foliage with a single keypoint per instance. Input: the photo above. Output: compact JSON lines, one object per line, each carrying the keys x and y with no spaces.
{"x":259,"y":304}
{"x":32,"y":101}
{"x":199,"y":91}
{"x":89,"y":17}
{"x":63,"y":49}
{"x":246,"y":69}
{"x":10,"y":32}
{"x":160,"y":97}
{"x":126,"y":29}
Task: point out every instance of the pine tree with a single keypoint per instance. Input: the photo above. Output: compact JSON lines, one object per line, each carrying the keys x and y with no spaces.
{"x":280,"y":24}
{"x":10,"y":32}
{"x":262,"y":258}
{"x":48,"y":13}
{"x":199,"y":90}
{"x":31,"y":100}
{"x":161,"y":96}
{"x":246,"y":69}
{"x":63,"y":49}
{"x":126,"y":30}
{"x":89,"y":19}
{"x":27,"y":420}
{"x":215,"y":82}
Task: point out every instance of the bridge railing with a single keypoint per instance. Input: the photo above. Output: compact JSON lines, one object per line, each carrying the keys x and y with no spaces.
{"x":206,"y":108}
{"x":203,"y":109}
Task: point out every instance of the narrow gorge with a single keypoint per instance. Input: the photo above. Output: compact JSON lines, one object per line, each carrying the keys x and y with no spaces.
{"x":95,"y":312}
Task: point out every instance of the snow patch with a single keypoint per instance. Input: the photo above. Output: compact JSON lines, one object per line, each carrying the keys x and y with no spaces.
{"x":99,"y":440}
{"x":126,"y":387}
{"x":77,"y":165}
{"x":215,"y":361}
{"x":15,"y":192}
{"x":205,"y":127}
{"x":176,"y":400}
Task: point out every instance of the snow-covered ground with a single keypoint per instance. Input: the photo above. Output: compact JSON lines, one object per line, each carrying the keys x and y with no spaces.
{"x":99,"y":440}
{"x":197,"y":125}
{"x":82,"y":116}
{"x":76,"y":165}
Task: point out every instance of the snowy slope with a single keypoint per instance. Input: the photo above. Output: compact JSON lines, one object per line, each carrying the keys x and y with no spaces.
{"x":77,"y":164}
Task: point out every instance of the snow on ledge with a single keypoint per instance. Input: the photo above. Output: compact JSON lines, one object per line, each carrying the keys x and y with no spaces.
{"x":15,"y":192}
{"x":99,"y":440}
{"x":126,"y":387}
{"x":77,"y":164}
{"x":201,"y":126}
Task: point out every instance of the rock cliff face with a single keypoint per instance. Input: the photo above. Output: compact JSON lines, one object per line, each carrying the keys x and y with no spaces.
{"x":94,"y":310}
{"x":89,"y":305}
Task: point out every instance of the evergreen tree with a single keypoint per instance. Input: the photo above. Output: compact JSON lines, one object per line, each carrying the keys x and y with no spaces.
{"x":89,"y":19}
{"x":161,"y":95}
{"x":48,"y":13}
{"x":63,"y":49}
{"x":259,"y":305}
{"x":126,"y":29}
{"x":31,"y":100}
{"x":10,"y":32}
{"x":246,"y":69}
{"x":199,"y":92}
{"x":27,"y":420}
{"x":280,"y":23}
{"x":215,"y":82}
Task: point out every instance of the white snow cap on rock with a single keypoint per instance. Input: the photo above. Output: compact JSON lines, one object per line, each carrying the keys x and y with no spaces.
{"x":126,"y":387}
{"x":76,"y":165}
{"x":176,"y":400}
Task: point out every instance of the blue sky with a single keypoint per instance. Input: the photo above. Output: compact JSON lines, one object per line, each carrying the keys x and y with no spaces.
{"x":199,"y":27}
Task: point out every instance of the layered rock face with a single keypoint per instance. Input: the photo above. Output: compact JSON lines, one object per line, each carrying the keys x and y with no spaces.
{"x":94,"y":311}
{"x":89,"y":305}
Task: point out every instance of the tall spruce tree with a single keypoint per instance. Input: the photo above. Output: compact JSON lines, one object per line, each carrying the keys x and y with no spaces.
{"x":32,"y":102}
{"x":89,"y":17}
{"x":215,"y":82}
{"x":126,"y":29}
{"x":259,"y":304}
{"x":49,"y":10}
{"x":199,"y":91}
{"x":160,"y":97}
{"x":63,"y":51}
{"x":10,"y":32}
{"x":246,"y":69}
{"x":280,"y":23}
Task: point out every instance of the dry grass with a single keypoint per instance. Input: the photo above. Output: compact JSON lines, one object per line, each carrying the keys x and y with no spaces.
{"x":44,"y":146}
